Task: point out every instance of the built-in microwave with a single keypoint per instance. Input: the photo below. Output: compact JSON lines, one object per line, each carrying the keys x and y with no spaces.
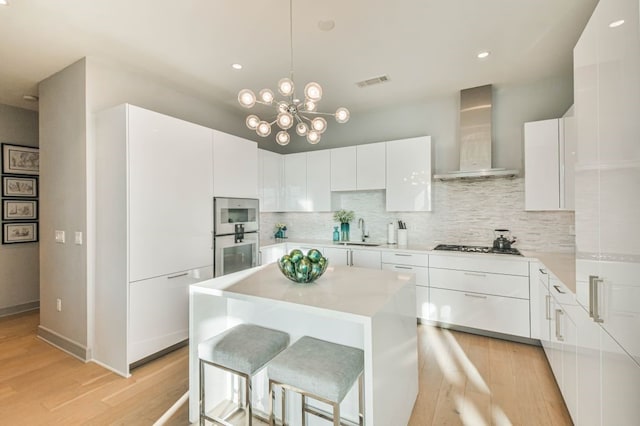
{"x":231,"y":212}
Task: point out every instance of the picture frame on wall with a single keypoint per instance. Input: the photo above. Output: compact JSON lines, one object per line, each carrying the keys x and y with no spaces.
{"x":19,"y":209}
{"x":20,"y":160}
{"x":19,"y":186}
{"x":20,"y":232}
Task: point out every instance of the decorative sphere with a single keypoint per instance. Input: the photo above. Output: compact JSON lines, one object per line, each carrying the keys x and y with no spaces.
{"x":314,"y":255}
{"x":296,"y":255}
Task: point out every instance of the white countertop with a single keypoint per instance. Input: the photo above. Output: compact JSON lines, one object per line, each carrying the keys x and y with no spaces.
{"x":562,"y":265}
{"x":356,"y":291}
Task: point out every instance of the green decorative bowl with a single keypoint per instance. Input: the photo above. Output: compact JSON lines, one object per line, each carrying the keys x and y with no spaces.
{"x":301,"y":268}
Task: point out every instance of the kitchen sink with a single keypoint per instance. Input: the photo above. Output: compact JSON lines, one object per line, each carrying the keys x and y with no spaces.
{"x":357,"y":243}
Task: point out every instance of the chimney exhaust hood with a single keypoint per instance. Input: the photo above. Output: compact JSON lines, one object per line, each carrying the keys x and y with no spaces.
{"x":476,"y":107}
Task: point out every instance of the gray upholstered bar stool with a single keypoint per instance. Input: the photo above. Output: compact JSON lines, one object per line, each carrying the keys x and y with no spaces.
{"x":320,"y":370}
{"x":242,"y":350}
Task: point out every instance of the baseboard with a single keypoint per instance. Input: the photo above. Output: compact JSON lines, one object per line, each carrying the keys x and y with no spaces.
{"x":470,"y":330}
{"x":64,"y":344}
{"x":17,"y":309}
{"x":158,"y":354}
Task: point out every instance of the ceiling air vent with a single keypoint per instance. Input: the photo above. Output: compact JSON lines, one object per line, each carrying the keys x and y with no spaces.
{"x":372,"y":81}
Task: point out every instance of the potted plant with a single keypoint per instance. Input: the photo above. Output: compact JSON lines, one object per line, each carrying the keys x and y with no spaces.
{"x":281,"y":228}
{"x":344,"y":217}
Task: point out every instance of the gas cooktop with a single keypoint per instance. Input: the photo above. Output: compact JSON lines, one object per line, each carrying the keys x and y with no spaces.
{"x":477,"y":249}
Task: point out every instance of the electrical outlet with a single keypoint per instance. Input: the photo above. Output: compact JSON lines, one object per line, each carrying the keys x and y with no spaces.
{"x":60,"y":237}
{"x":59,"y":305}
{"x":78,"y":238}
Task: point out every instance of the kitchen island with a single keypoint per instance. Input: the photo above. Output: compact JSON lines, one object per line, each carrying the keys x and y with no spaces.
{"x":369,"y":309}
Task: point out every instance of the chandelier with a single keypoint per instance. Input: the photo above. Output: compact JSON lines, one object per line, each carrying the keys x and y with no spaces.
{"x":290,"y":111}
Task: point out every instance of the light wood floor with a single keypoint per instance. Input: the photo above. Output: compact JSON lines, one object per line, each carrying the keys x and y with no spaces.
{"x":464,"y":380}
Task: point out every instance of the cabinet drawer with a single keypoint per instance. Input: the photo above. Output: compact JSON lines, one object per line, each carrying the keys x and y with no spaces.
{"x":480,"y":263}
{"x":405,"y":258}
{"x":159,"y":311}
{"x":422,"y":273}
{"x":485,"y":312}
{"x":480,"y":282}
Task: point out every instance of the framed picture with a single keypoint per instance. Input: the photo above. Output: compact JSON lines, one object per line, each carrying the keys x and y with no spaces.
{"x":20,"y":160}
{"x":19,"y":210}
{"x":25,"y":232}
{"x":19,"y":186}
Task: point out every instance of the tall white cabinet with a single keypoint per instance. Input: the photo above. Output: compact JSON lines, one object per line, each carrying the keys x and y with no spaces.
{"x":153,"y":222}
{"x":235,"y":166}
{"x":607,"y":107}
{"x":270,"y":181}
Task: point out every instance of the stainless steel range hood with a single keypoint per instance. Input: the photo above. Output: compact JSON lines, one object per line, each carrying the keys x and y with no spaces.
{"x":475,"y":137}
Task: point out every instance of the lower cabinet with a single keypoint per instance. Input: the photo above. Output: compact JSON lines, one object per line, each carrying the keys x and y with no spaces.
{"x":272,"y":253}
{"x":159,"y":312}
{"x":415,"y":263}
{"x":352,"y":257}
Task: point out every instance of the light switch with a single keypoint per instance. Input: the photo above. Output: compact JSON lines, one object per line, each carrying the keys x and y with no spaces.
{"x":78,"y":238}
{"x":60,"y":237}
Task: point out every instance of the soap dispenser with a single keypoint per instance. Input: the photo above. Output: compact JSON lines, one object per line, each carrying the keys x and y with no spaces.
{"x":336,"y":234}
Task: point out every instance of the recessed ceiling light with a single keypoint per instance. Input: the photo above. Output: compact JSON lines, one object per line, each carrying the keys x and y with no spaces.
{"x":30,"y":98}
{"x":326,"y":25}
{"x":236,"y":66}
{"x":616,"y":23}
{"x":483,"y":55}
{"x":4,"y":2}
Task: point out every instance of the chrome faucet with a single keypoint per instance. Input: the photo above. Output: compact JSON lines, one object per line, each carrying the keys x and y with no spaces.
{"x":363,"y":231}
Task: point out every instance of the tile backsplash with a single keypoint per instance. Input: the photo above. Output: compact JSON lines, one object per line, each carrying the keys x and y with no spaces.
{"x":463,"y":212}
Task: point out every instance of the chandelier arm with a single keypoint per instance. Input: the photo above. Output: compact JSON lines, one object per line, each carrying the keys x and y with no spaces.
{"x":305,"y":118}
{"x":320,"y":113}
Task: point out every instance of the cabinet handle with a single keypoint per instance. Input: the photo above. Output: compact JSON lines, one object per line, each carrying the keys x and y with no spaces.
{"x":347,"y":253}
{"x":558,"y":289}
{"x":477,"y":296}
{"x":260,"y":257}
{"x":594,"y":305}
{"x":547,"y":310}
{"x":351,"y":253}
{"x":403,"y":255}
{"x":403,"y":267}
{"x":559,"y":336}
{"x":178,"y":275}
{"x":473,"y":274}
{"x":542,"y":271}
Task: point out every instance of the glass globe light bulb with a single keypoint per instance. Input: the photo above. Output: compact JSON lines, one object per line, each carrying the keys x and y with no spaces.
{"x":246,"y":98}
{"x":252,"y":122}
{"x":313,"y":137}
{"x":263,"y":129}
{"x":282,"y":138}
{"x":342,"y":115}
{"x":319,"y":124}
{"x":302,"y":129}
{"x":282,"y":106}
{"x":285,"y":120}
{"x":313,"y":91}
{"x":266,"y":96}
{"x":310,"y":105}
{"x":285,"y":87}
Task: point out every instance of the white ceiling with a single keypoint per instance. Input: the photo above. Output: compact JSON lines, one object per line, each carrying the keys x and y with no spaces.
{"x":427,"y":47}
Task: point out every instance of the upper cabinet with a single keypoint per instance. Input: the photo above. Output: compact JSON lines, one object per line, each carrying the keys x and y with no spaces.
{"x":235,"y":166}
{"x":359,"y":167}
{"x":408,"y":168}
{"x":318,"y":181}
{"x":270,"y":181}
{"x":549,"y":147}
{"x":295,"y":179}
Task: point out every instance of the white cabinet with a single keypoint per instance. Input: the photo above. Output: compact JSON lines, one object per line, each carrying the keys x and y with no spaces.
{"x":271,"y":181}
{"x":235,"y":166}
{"x":479,"y":292}
{"x":549,"y":148}
{"x":306,"y":181}
{"x":295,"y":179}
{"x":272,"y":253}
{"x":352,"y":257}
{"x":318,"y":181}
{"x":412,"y":263}
{"x":153,"y":218}
{"x":360,"y":167}
{"x":153,"y":326}
{"x":409,"y":174}
{"x":607,"y":175}
{"x":343,"y":169}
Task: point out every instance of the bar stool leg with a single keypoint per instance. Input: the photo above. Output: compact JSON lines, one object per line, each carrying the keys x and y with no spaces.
{"x":336,"y":414}
{"x":304,"y":410}
{"x":361,"y":399}
{"x":247,"y":389}
{"x":272,"y":402}
{"x":284,"y":406}
{"x":201,"y":416}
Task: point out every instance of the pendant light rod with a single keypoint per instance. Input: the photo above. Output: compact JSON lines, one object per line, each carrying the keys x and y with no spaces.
{"x":291,"y":40}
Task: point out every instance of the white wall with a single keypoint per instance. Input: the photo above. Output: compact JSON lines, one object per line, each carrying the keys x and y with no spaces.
{"x":19,"y":263}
